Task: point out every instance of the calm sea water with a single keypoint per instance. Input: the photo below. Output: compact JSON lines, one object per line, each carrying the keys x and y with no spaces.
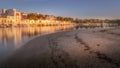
{"x":13,"y":38}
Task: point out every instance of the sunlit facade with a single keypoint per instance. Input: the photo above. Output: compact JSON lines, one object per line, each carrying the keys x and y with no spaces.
{"x":12,"y":17}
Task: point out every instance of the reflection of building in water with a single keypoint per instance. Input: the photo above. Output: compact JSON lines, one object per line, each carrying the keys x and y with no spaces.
{"x":6,"y":37}
{"x":13,"y":37}
{"x":10,"y":37}
{"x":17,"y":37}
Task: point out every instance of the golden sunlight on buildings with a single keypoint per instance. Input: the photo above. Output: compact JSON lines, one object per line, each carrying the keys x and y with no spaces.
{"x":12,"y":17}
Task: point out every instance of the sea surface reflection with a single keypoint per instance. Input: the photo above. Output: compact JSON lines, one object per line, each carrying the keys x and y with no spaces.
{"x":13,"y":38}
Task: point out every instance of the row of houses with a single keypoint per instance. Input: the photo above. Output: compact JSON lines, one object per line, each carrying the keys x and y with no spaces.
{"x":12,"y":17}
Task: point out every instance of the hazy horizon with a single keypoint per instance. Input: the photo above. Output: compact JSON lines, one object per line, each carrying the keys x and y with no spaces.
{"x":101,"y":9}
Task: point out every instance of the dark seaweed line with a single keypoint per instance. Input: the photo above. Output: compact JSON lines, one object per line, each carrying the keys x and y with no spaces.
{"x":106,"y":58}
{"x":59,"y":58}
{"x":98,"y":54}
{"x":113,"y":33}
{"x":52,"y":52}
{"x":82,"y":42}
{"x":106,"y":31}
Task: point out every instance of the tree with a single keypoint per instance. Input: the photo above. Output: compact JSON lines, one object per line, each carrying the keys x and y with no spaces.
{"x":32,"y":16}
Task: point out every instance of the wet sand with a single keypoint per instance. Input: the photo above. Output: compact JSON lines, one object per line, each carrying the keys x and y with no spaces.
{"x":92,"y":48}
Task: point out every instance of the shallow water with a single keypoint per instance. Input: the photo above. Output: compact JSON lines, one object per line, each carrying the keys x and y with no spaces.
{"x":13,"y":38}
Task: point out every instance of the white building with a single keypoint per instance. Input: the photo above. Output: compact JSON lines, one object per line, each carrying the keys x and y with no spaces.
{"x":12,"y":16}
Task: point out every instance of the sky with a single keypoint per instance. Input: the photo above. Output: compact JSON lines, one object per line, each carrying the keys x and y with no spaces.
{"x":73,"y":8}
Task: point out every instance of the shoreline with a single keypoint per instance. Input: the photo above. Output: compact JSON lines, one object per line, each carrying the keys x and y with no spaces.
{"x":69,"y":49}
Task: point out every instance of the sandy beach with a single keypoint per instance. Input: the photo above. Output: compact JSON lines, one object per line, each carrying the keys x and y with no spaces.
{"x":84,"y":48}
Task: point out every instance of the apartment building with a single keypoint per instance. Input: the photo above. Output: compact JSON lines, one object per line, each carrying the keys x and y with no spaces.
{"x":10,"y":17}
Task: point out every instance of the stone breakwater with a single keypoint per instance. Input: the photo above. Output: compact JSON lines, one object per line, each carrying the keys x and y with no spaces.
{"x":92,"y":48}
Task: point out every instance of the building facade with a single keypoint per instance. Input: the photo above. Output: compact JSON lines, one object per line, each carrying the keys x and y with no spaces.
{"x":10,"y":17}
